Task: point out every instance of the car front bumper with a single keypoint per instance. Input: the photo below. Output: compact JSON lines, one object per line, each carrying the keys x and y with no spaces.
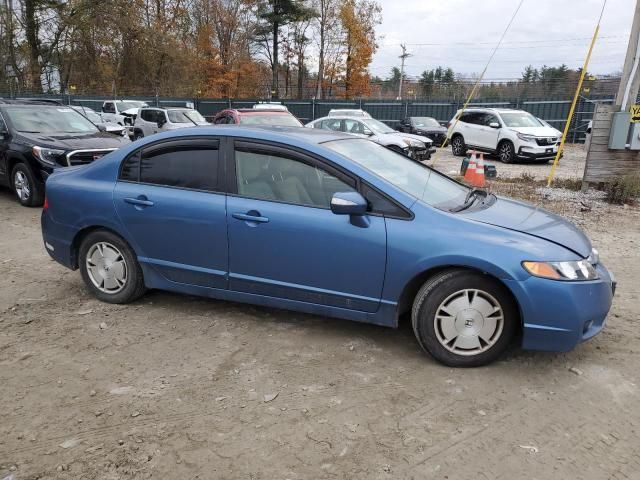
{"x":536,"y":152}
{"x":569,"y":312}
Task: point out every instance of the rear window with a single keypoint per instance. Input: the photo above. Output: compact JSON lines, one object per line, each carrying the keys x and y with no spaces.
{"x":279,"y":120}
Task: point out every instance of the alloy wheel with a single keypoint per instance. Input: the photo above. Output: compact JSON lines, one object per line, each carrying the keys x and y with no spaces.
{"x":505,"y":153}
{"x":106,"y":267}
{"x":469,"y":322}
{"x":22,"y":186}
{"x":457,"y":146}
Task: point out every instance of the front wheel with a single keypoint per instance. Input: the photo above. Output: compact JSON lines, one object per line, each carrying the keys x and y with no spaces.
{"x":458,"y":147}
{"x":29,"y":191}
{"x":109,"y":268}
{"x":506,"y":152}
{"x":463,"y":318}
{"x":137,"y":135}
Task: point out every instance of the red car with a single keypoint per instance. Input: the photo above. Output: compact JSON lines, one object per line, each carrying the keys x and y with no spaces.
{"x":260,"y":114}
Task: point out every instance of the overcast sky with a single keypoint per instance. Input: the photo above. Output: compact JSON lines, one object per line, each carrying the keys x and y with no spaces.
{"x":548,"y":32}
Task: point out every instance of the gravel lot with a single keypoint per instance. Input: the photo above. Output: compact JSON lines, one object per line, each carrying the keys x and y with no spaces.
{"x":175,"y":387}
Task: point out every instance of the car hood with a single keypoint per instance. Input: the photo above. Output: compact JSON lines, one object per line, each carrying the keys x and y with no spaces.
{"x":537,"y":131}
{"x":130,"y":112}
{"x":410,"y":136}
{"x":431,"y":129}
{"x":525,"y":218}
{"x":70,"y":141}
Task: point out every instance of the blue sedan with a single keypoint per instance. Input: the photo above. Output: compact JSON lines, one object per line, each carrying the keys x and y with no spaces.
{"x":325,"y":223}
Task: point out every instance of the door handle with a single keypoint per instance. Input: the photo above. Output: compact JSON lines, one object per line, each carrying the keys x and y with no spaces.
{"x":141,"y":201}
{"x":251,"y":216}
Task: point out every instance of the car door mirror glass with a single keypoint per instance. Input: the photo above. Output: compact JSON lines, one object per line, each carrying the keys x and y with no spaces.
{"x":367,"y":132}
{"x":494,"y":125}
{"x":100,"y":127}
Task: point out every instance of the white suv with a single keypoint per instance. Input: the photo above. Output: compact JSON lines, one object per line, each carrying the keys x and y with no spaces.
{"x":510,"y":134}
{"x":152,"y":120}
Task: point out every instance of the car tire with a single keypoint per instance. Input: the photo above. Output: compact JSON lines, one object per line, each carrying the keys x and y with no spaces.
{"x":464,"y":318}
{"x":458,"y":147}
{"x":506,"y":152}
{"x":109,"y":268}
{"x":28,"y":189}
{"x":137,"y":135}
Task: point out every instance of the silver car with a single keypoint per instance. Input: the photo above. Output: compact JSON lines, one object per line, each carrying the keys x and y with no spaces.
{"x":414,"y":146}
{"x":152,"y":120}
{"x":95,"y":118}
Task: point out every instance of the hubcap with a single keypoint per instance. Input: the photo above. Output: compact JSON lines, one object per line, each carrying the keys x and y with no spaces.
{"x":469,"y":322}
{"x":457,"y":145}
{"x":22,"y":187}
{"x":106,"y":267}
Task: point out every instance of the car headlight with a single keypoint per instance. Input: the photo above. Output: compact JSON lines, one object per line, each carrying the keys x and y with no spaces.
{"x":47,"y":155}
{"x":414,"y":143}
{"x":568,"y":271}
{"x":526,"y":138}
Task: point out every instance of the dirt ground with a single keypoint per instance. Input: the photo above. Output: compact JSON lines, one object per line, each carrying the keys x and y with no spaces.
{"x":176,"y":387}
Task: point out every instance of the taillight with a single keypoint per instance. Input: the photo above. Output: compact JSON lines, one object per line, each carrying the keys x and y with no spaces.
{"x":46,"y":204}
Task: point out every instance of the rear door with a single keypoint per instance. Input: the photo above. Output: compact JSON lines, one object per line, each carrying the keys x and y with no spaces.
{"x":487,"y":136}
{"x":469,"y":123}
{"x":169,"y":198}
{"x":285,"y":242}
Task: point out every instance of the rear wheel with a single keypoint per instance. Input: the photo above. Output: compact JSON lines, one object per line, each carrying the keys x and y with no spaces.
{"x":109,"y":268}
{"x":463,"y":318}
{"x":458,"y":147}
{"x":28,"y":189}
{"x":506,"y":152}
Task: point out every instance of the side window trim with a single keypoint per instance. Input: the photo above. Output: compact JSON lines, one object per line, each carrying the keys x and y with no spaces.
{"x":217,"y":143}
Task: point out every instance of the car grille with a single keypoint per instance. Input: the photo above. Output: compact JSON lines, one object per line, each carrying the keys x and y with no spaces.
{"x":84,"y":157}
{"x":543,"y":142}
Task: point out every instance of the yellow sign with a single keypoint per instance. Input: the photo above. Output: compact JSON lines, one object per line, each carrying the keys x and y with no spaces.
{"x":635,"y":113}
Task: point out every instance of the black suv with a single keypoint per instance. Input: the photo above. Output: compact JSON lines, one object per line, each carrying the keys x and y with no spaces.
{"x":426,"y":127}
{"x":38,"y":137}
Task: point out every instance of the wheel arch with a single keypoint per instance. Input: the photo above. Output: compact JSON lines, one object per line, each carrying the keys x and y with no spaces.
{"x":412,"y":287}
{"x":83,"y":233}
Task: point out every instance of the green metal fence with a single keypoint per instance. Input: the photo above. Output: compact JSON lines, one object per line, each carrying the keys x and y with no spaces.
{"x":552,"y":110}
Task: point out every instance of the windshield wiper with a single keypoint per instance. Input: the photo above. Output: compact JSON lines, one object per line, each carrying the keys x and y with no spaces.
{"x":190,"y":119}
{"x":469,"y":199}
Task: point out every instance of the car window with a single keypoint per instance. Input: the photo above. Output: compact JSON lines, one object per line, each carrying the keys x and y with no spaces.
{"x":489,"y":118}
{"x":146,"y":115}
{"x":353,"y":126}
{"x":109,"y":107}
{"x":191,"y":164}
{"x":331,"y":124}
{"x":3,"y":126}
{"x":280,"y":119}
{"x":474,"y":118}
{"x":280,"y":178}
{"x":378,"y":203}
{"x":185,"y":116}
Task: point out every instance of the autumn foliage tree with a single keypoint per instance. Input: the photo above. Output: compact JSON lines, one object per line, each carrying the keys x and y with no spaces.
{"x":359,"y":19}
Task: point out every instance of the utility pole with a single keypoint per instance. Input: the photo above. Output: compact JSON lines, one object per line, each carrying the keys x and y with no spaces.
{"x":630,"y":81}
{"x":403,"y":57}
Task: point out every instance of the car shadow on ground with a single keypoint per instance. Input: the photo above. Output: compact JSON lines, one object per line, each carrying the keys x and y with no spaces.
{"x":398,"y":343}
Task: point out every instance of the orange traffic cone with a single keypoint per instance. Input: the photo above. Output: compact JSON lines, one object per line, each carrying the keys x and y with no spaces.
{"x":470,"y":174}
{"x":480,"y":180}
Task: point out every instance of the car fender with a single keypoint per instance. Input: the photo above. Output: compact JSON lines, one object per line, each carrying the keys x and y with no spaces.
{"x":389,"y":140}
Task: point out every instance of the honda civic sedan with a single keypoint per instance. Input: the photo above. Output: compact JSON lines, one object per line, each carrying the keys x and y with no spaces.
{"x":330,"y":224}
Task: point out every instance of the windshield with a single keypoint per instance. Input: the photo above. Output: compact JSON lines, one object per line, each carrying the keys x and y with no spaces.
{"x":404,"y":173}
{"x":425,"y":122}
{"x":90,"y":114}
{"x":185,"y":116}
{"x":49,"y":120}
{"x":520,"y":119}
{"x":378,"y":127}
{"x":279,"y":120}
{"x":122,"y":106}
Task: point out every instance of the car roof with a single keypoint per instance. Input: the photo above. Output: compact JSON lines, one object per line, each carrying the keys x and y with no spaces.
{"x":26,"y":102}
{"x":342,"y":117}
{"x":257,"y":111}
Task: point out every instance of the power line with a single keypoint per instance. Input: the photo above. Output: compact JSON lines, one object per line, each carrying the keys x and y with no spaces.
{"x":556,"y":40}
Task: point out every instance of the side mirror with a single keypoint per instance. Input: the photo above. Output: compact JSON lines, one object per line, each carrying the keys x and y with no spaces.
{"x":101,"y":127}
{"x":161,"y":122}
{"x":368,"y":132}
{"x":494,"y":125}
{"x":353,"y":204}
